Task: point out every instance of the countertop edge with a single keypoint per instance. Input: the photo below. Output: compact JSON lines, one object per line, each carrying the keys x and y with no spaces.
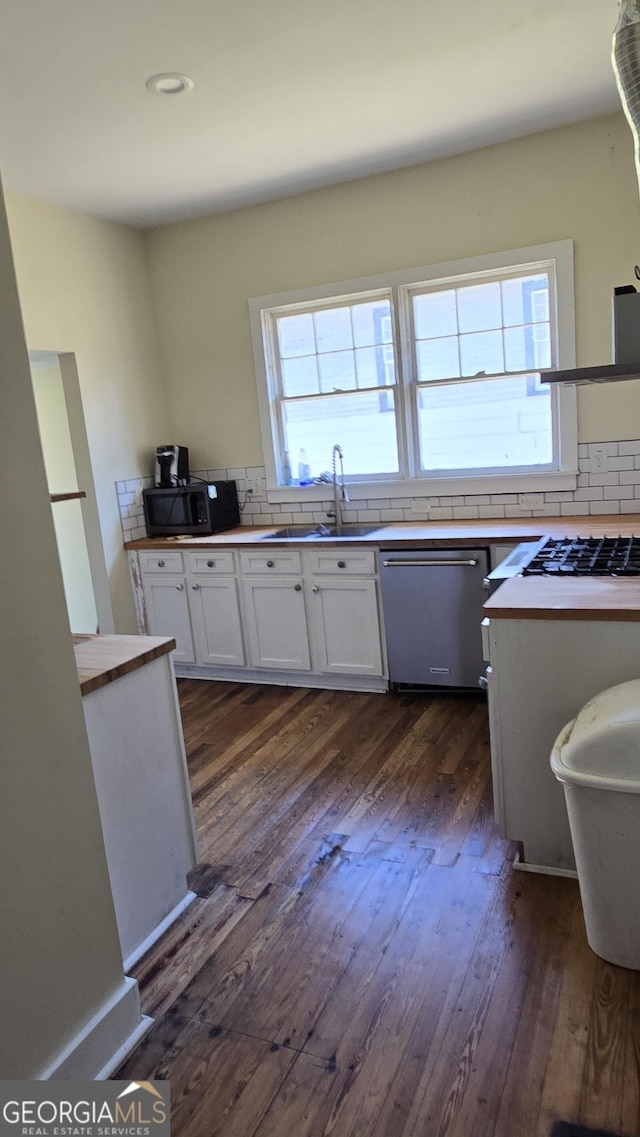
{"x":426,"y":534}
{"x":102,"y":659}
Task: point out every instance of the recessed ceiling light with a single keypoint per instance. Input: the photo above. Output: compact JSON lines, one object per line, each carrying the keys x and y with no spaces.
{"x":169,"y":83}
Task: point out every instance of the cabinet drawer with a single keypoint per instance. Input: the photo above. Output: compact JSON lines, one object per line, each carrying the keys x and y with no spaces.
{"x":361,"y":562}
{"x":162,"y":561}
{"x":213,"y":560}
{"x":274,"y":560}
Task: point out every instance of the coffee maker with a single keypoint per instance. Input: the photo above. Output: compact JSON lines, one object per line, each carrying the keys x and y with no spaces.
{"x":172,"y":466}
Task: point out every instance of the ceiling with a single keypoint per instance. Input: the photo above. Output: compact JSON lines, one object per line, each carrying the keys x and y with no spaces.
{"x":288,"y":94}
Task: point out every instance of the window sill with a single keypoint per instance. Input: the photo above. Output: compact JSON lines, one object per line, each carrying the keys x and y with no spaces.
{"x":429,"y":487}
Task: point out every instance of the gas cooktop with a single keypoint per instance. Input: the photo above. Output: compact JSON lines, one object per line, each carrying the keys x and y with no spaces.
{"x":586,"y":556}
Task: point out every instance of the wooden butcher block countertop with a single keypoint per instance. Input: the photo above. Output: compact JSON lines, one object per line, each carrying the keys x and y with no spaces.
{"x":582,"y":598}
{"x":422,"y":534}
{"x":101,"y":659}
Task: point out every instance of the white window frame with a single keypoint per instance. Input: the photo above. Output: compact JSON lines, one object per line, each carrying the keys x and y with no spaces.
{"x":563,"y":475}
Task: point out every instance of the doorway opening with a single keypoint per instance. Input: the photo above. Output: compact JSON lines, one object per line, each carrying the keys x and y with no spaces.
{"x":74,"y":506}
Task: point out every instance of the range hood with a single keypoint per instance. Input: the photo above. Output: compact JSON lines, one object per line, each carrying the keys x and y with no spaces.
{"x":625,"y":57}
{"x":626,"y":346}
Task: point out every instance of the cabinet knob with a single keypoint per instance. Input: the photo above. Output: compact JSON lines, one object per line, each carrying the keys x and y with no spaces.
{"x":342,"y":564}
{"x":195,"y":587}
{"x":270,"y":564}
{"x":315,"y":588}
{"x":297,"y":587}
{"x":179,"y":587}
{"x":160,"y":564}
{"x":210,"y":564}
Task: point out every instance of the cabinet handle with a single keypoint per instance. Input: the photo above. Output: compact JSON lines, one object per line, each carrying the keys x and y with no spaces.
{"x":270,"y":564}
{"x":315,"y":588}
{"x":195,"y":587}
{"x":180,"y":587}
{"x":342,"y":564}
{"x":160,"y":564}
{"x":297,"y":588}
{"x":210,"y":564}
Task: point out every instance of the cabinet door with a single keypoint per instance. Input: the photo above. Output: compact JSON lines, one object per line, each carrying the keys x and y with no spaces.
{"x":217,"y":629}
{"x":168,"y":612}
{"x":346,"y":631}
{"x":277,"y":623}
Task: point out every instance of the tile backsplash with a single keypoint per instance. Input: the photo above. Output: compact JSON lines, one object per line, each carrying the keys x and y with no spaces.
{"x":608,"y":482}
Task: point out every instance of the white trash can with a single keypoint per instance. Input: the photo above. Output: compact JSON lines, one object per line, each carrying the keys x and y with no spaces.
{"x":597,"y":758}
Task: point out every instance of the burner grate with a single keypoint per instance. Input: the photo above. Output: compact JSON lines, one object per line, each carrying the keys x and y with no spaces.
{"x":587,"y":556}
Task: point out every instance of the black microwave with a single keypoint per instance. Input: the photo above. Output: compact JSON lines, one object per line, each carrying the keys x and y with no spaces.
{"x":196,"y":510}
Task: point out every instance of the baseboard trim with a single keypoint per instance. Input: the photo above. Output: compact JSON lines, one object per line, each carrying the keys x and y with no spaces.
{"x":324,"y":682}
{"x":100,"y":1041}
{"x":147,"y":943}
{"x":546,"y":870}
{"x":118,"y":1058}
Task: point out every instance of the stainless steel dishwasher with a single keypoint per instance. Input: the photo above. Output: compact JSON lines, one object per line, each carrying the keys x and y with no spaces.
{"x":432,"y":601}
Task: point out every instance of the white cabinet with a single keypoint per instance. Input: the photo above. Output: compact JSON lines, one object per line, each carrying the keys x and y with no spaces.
{"x":198,"y":606}
{"x":275,"y":611}
{"x":168,"y":613}
{"x":215,"y":608}
{"x":542,"y":673}
{"x":343,"y":609}
{"x":280,"y":612}
{"x":142,"y":783}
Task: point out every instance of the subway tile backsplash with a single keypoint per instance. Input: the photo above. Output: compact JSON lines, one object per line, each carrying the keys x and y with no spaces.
{"x":608,"y":482}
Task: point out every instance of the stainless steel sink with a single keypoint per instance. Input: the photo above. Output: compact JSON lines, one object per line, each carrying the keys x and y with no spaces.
{"x":319,"y":532}
{"x":298,"y":531}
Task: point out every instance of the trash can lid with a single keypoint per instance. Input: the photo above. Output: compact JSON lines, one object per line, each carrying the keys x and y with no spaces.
{"x":601,"y":747}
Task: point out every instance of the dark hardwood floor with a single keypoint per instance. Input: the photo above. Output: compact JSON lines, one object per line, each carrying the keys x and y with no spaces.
{"x":362,"y":959}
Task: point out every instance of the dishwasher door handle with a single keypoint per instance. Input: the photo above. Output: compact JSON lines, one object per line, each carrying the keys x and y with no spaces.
{"x":428,"y":564}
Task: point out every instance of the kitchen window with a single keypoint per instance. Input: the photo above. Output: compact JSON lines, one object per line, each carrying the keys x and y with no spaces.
{"x":430,"y":376}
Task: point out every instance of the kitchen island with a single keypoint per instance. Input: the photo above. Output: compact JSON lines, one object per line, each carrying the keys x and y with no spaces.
{"x":139,"y":765}
{"x":552,"y":644}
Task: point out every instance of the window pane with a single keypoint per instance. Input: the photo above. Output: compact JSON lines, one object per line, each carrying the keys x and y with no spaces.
{"x":371,"y":323}
{"x":479,"y":307}
{"x":300,"y":376}
{"x":526,"y":300}
{"x":482,"y":352}
{"x":437,"y":359}
{"x":528,"y":347}
{"x":333,"y":329}
{"x":375,"y":366}
{"x":295,"y":335}
{"x":435,"y":314}
{"x":487,"y":424}
{"x":364,"y":425}
{"x":337,"y":371}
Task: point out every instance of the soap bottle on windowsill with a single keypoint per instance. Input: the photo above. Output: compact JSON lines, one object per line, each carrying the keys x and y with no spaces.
{"x":286,"y":468}
{"x":304,"y":469}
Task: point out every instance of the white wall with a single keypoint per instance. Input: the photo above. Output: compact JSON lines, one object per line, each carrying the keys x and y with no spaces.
{"x":577,"y":182}
{"x":84,"y":288}
{"x":60,"y":956}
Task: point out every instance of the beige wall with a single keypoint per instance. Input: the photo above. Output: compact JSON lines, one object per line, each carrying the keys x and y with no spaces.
{"x":84,"y":288}
{"x":577,"y":182}
{"x":60,"y":958}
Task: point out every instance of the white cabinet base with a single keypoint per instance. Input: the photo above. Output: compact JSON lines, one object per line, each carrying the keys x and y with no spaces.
{"x":139,"y":765}
{"x":326,"y":682}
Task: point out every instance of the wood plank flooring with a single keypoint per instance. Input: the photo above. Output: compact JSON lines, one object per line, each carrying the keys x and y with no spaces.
{"x":362,"y":959}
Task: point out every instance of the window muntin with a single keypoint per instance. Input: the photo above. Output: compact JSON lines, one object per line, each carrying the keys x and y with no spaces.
{"x":494,"y":314}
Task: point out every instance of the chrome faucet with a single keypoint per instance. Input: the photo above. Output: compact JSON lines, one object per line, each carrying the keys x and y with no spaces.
{"x":340,"y":494}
